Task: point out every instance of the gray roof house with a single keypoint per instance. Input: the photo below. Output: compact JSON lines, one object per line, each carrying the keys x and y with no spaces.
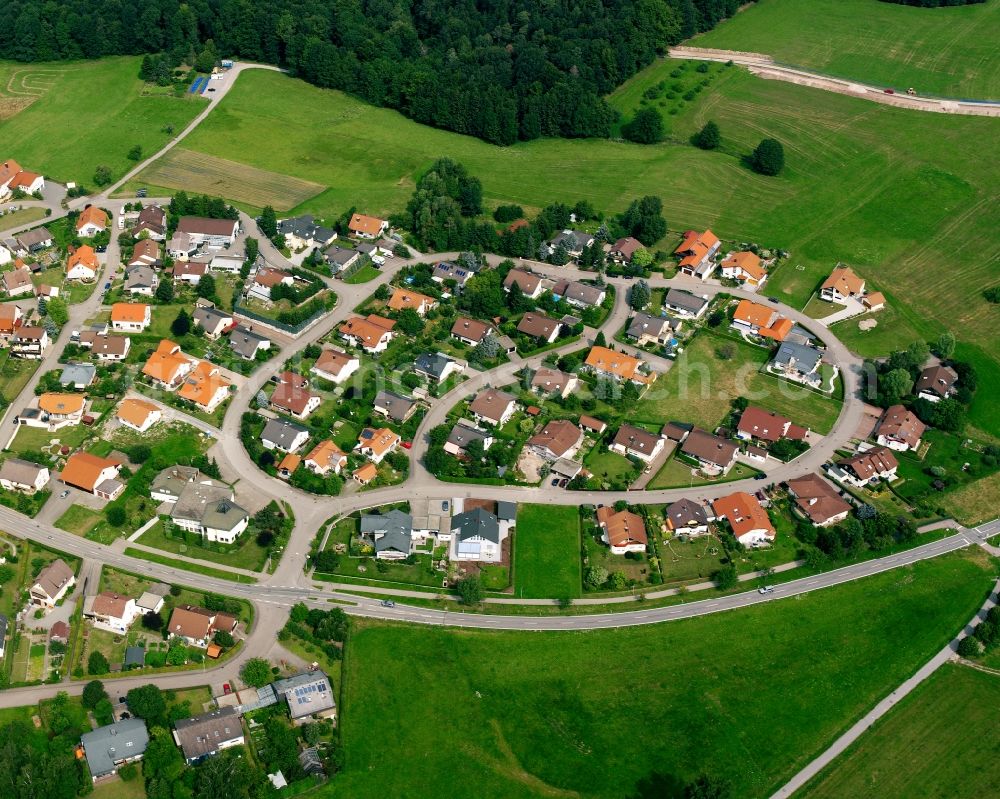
{"x":341,"y":257}
{"x":205,"y":735}
{"x":446,"y":270}
{"x":210,"y":319}
{"x":391,"y":532}
{"x":305,"y":230}
{"x":645,"y":328}
{"x":394,"y":406}
{"x":245,"y":343}
{"x":477,"y":533}
{"x":78,"y":375}
{"x":436,"y":366}
{"x":284,"y":436}
{"x":579,"y":294}
{"x":114,"y":745}
{"x":463,"y":434}
{"x":685,"y":303}
{"x":140,"y":280}
{"x":796,"y":358}
{"x":575,"y":241}
{"x":308,"y":694}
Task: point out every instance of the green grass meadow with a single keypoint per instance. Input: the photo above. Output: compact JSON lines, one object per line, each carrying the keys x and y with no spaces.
{"x":533,"y":714}
{"x":940,"y":741}
{"x":943,"y":51}
{"x":547,"y":552}
{"x":93,"y":113}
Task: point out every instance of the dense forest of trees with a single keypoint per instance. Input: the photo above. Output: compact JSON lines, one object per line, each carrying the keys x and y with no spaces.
{"x":500,"y":71}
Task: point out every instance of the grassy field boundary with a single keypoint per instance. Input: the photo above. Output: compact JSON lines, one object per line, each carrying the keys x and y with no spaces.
{"x":187,"y":566}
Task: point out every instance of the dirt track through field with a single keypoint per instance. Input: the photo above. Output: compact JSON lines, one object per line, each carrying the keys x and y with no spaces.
{"x":764,"y":66}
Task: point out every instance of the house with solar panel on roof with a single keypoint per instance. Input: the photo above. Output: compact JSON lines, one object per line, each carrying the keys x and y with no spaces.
{"x":309,"y":696}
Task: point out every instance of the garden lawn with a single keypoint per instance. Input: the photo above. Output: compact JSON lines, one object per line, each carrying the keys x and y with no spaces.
{"x":701,"y":385}
{"x":245,"y":554}
{"x":939,"y":741}
{"x":184,"y":565}
{"x":943,"y":51}
{"x":100,"y":102}
{"x":79,"y":520}
{"x":22,"y":217}
{"x":542,"y":714}
{"x":117,"y":788}
{"x":363,"y":275}
{"x":608,"y":466}
{"x":975,"y":502}
{"x":14,"y":375}
{"x":676,"y":474}
{"x":547,"y":552}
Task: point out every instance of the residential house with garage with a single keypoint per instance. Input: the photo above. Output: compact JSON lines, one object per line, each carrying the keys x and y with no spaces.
{"x":760,"y":320}
{"x":540,"y":327}
{"x":798,"y":362}
{"x":748,"y":520}
{"x":12,"y":178}
{"x":110,"y":747}
{"x":110,"y":611}
{"x":130,"y":317}
{"x":551,"y":382}
{"x":93,"y":474}
{"x":372,"y":333}
{"x":580,"y":295}
{"x":646,"y":329}
{"x":936,"y":383}
{"x":56,"y":410}
{"x":265,"y":279}
{"x":78,"y":376}
{"x":52,"y":584}
{"x":697,"y":253}
{"x":745,"y":268}
{"x":687,"y":517}
{"x":309,"y":696}
{"x":865,"y":468}
{"x":303,"y":232}
{"x":471,"y":331}
{"x":391,"y":533}
{"x":403,"y":299}
{"x":205,"y":386}
{"x":463,"y":434}
{"x":448,"y":271}
{"x":376,"y":444}
{"x":335,"y":366}
{"x":842,"y":285}
{"x":292,"y":395}
{"x":106,"y":347}
{"x":899,"y":429}
{"x":756,"y":424}
{"x":11,"y":317}
{"x":200,"y":504}
{"x":530,"y":284}
{"x":818,"y":501}
{"x":714,"y":455}
{"x":493,"y":407}
{"x":167,"y":366}
{"x":33,"y":241}
{"x":23,"y":476}
{"x":283,"y":435}
{"x":560,"y":438}
{"x":340,"y":258}
{"x":477,"y":535}
{"x":623,"y":531}
{"x":82,"y":264}
{"x":324,"y":458}
{"x":91,"y":221}
{"x":145,"y":253}
{"x":436,"y":366}
{"x":635,"y":442}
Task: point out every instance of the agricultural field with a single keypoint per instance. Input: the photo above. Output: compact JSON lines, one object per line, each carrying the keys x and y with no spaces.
{"x":940,"y":741}
{"x":944,"y":51}
{"x":548,"y":717}
{"x":547,"y":552}
{"x":99,"y":107}
{"x":23,"y":217}
{"x":198,"y":173}
{"x":701,"y":386}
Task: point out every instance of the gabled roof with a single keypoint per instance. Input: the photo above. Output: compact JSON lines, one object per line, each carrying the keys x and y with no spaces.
{"x":464,"y":433}
{"x":202,"y":735}
{"x":281,"y":433}
{"x":622,"y":527}
{"x":204,"y":226}
{"x":332,"y":361}
{"x":368,"y":225}
{"x":369,"y":331}
{"x":644,"y":324}
{"x":844,"y":281}
{"x":709,"y":448}
{"x":53,"y":577}
{"x":136,"y":411}
{"x":202,"y":384}
{"x":432,"y":363}
{"x":92,"y":215}
{"x":550,"y":380}
{"x":875,"y":461}
{"x":378,"y":441}
{"x":616,"y":363}
{"x":636,"y":439}
{"x":817,"y":499}
{"x":476,"y":523}
{"x":129,"y":312}
{"x":685,"y":513}
{"x":83,"y":255}
{"x":491,"y":404}
{"x":83,"y":470}
{"x":743,"y":513}
{"x":765,"y":425}
{"x":402,"y":299}
{"x":626,"y":246}
{"x":745,"y":261}
{"x":558,"y":437}
{"x":325,"y":454}
{"x":166,"y":362}
{"x":471,"y":329}
{"x":20,"y":472}
{"x":755,"y":315}
{"x":537,"y":325}
{"x":937,"y":379}
{"x":685,"y":300}
{"x":527,"y":282}
{"x":292,"y":396}
{"x":396,"y":406}
{"x":899,"y":423}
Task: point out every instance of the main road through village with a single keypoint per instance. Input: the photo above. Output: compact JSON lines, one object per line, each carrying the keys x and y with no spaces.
{"x":274,"y":594}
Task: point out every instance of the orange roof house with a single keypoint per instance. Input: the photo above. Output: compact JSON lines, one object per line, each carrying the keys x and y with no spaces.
{"x":744,"y":266}
{"x":24,"y":180}
{"x":761,"y":320}
{"x":138,"y":414}
{"x":372,"y":333}
{"x":618,"y":365}
{"x":82,"y":263}
{"x":369,"y":227}
{"x":8,"y":170}
{"x":749,"y":521}
{"x":376,"y":444}
{"x":91,"y":220}
{"x":61,"y":404}
{"x":205,"y":386}
{"x":167,"y":365}
{"x":326,"y":456}
{"x":130,"y":315}
{"x":365,"y":474}
{"x":402,"y":299}
{"x":841,"y":284}
{"x":90,"y":472}
{"x":624,"y":531}
{"x":696,"y":251}
{"x":778,"y":330}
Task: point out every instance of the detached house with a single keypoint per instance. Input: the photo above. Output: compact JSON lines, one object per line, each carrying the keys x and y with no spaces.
{"x":936,"y":383}
{"x":697,"y":252}
{"x":818,"y":501}
{"x":33,"y":241}
{"x":247,"y":344}
{"x":436,"y":366}
{"x":899,"y":429}
{"x":105,"y":347}
{"x":167,"y":366}
{"x":448,"y":271}
{"x":10,"y":319}
{"x":208,"y":734}
{"x":868,"y":467}
{"x":618,"y":366}
{"x":130,"y":317}
{"x":749,"y":521}
{"x":539,"y":327}
{"x":292,"y":396}
{"x":205,"y":386}
{"x":110,"y":611}
{"x":530,"y":284}
{"x":142,"y":280}
{"x":335,"y":366}
{"x":51,"y":584}
{"x":402,"y":299}
{"x":622,"y":250}
{"x":623,"y":531}
{"x":29,"y":342}
{"x":548,"y":382}
{"x":284,"y":436}
{"x":376,"y":444}
{"x":324,"y":458}
{"x":560,"y":438}
{"x":23,"y":476}
{"x":145,"y":253}
{"x":647,"y":329}
{"x":637,"y":443}
{"x":153,"y":222}
{"x":462,"y":435}
{"x":798,"y":362}
{"x":137,"y":414}
{"x":12,"y":178}
{"x":757,"y":424}
{"x":477,"y":535}
{"x":82,"y":263}
{"x":394,"y":406}
{"x":471,"y":331}
{"x":93,"y":474}
{"x":367,"y":227}
{"x":744,"y":267}
{"x":372,"y":334}
{"x":18,"y":282}
{"x":110,"y":747}
{"x":759,"y":320}
{"x":213,"y":321}
{"x":687,"y":517}
{"x":304,"y":231}
{"x":684,"y":303}
{"x":91,"y":221}
{"x":579,"y":294}
{"x":715,"y":455}
{"x":493,"y":407}
{"x":265,"y":279}
{"x":196,"y":626}
{"x":842,"y":285}
{"x":210,"y":232}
